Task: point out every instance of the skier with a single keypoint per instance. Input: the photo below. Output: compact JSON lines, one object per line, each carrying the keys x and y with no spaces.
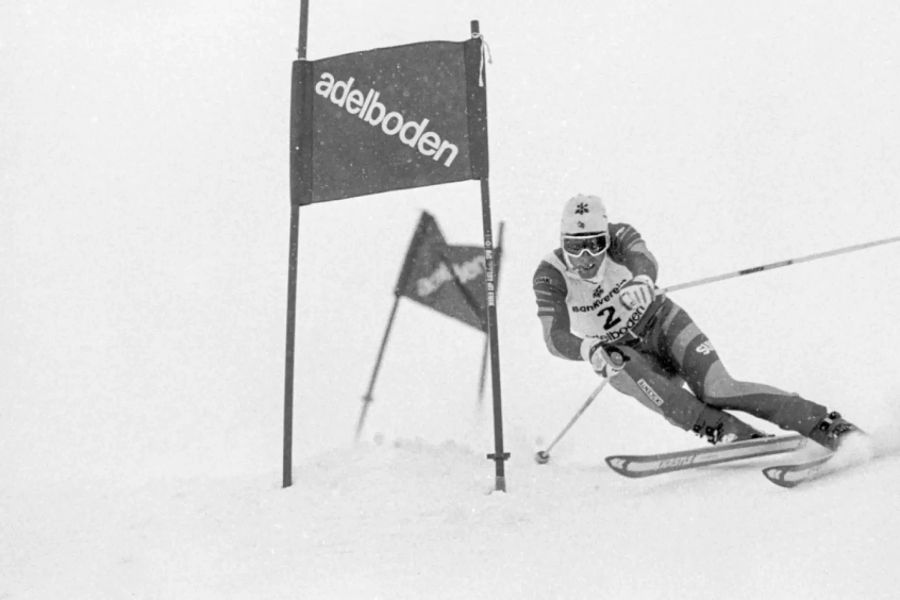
{"x":597,"y":301}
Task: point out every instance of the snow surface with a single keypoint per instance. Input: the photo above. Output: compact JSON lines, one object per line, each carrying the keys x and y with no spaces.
{"x":143,"y":256}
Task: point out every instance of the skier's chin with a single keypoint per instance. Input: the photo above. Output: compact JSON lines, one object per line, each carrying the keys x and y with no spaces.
{"x":587,"y":271}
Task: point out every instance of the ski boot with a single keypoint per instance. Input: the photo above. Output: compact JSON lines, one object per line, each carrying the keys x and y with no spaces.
{"x":831,"y":429}
{"x":720,"y":427}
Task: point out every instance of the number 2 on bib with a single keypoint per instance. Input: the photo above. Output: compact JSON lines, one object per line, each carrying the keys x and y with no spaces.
{"x":611,"y":319}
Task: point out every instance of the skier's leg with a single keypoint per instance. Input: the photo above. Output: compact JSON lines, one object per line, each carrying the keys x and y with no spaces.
{"x":647,"y":381}
{"x":788,"y":411}
{"x":699,"y":363}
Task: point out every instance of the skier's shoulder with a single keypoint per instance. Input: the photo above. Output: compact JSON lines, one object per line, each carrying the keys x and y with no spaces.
{"x":623,"y":237}
{"x":550,"y":271}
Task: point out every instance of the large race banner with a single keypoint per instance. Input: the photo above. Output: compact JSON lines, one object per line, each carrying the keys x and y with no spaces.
{"x":387,"y":119}
{"x":391,"y":119}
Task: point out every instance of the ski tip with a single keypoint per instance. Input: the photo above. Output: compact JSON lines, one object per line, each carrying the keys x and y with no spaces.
{"x":623,"y":465}
{"x":615,"y":462}
{"x":789,"y":476}
{"x":619,"y":464}
{"x":778,"y":476}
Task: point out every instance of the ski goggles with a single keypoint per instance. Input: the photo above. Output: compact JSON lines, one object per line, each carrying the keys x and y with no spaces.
{"x":594,"y":244}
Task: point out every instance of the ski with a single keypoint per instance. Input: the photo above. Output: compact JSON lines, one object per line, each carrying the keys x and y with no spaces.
{"x":792,"y":475}
{"x":646,"y":465}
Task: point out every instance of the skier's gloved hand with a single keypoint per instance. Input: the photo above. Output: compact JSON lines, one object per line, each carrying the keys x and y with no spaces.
{"x":639,"y":292}
{"x":592,"y":351}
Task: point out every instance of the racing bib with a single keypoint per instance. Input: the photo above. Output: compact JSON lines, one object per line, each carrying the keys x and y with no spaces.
{"x":595,"y":309}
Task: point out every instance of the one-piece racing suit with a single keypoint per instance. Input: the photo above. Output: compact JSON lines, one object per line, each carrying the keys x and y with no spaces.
{"x":661,"y":344}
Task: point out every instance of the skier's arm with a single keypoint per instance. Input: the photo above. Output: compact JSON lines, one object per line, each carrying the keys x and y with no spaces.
{"x":550,"y":294}
{"x":627,"y":247}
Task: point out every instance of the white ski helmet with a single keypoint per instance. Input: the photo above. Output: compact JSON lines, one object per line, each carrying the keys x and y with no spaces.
{"x":584,"y":215}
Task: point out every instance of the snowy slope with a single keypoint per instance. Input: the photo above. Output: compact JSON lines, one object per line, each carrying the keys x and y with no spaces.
{"x":412,"y":519}
{"x":143,"y":255}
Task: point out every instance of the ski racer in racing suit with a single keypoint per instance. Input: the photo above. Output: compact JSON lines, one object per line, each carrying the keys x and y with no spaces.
{"x":597,"y":301}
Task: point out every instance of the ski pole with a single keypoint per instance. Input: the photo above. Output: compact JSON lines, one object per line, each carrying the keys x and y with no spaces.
{"x":542,"y":456}
{"x":775,"y":265}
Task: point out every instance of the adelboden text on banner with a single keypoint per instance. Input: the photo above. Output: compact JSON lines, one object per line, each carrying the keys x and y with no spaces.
{"x":387,"y":119}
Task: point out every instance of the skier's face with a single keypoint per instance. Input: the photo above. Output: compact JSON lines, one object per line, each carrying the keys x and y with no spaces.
{"x":586,"y":265}
{"x":585,"y":253}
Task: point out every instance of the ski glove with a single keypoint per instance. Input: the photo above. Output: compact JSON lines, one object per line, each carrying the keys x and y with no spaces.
{"x":639,"y":292}
{"x":592,"y":351}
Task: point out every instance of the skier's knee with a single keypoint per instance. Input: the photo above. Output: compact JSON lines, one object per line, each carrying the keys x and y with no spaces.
{"x":718,"y":384}
{"x":719,"y":389}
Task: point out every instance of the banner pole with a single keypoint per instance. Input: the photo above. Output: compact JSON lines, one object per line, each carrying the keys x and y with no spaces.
{"x":498,"y":456}
{"x":288,"y":437}
{"x":367,"y":399}
{"x":484,"y":365}
{"x":289,"y":350}
{"x":477,"y":100}
{"x":304,"y":29}
{"x":484,"y":358}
